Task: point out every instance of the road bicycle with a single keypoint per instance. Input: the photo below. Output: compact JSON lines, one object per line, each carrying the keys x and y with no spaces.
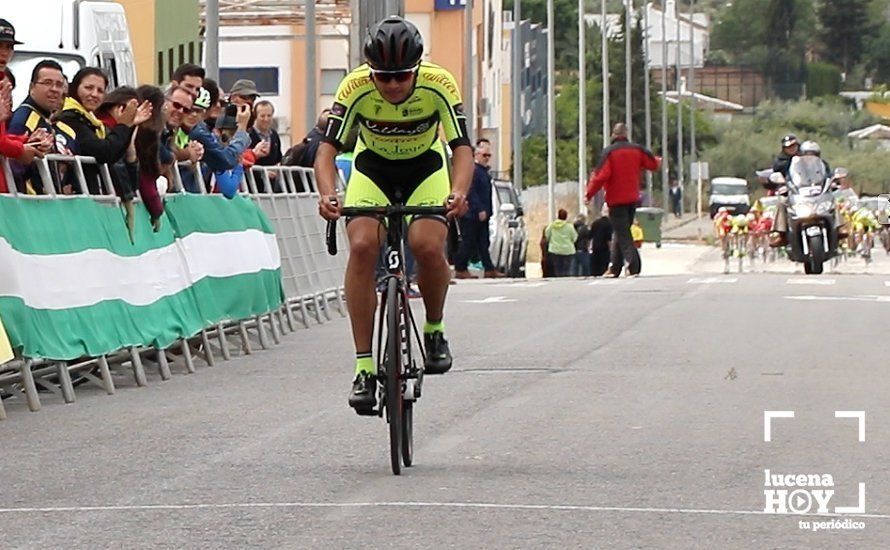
{"x":399,"y":372}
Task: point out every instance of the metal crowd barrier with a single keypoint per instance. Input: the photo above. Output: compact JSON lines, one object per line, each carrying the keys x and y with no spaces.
{"x":313,"y":282}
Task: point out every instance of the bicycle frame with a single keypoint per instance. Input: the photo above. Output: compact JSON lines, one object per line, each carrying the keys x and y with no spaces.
{"x":400,"y":378}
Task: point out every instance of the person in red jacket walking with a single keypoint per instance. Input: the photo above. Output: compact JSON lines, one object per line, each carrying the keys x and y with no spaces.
{"x":619,"y":171}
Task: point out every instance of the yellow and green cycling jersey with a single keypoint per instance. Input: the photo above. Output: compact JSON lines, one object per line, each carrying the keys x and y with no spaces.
{"x":403,"y":131}
{"x":865,"y":220}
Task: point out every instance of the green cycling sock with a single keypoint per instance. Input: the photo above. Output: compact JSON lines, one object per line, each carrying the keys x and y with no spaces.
{"x":430,"y":327}
{"x":364,"y":362}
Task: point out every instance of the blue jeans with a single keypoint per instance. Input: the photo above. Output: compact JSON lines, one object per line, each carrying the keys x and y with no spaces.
{"x":581,"y":268}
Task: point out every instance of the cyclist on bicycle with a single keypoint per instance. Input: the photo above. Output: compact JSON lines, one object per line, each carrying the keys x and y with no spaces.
{"x":399,"y":103}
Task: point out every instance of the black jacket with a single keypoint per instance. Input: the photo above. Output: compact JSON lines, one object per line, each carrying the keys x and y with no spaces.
{"x":110,"y":150}
{"x":274,"y":156}
{"x":601,"y":233}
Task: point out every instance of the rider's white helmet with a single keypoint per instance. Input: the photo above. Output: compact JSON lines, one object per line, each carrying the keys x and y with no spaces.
{"x":810,"y":147}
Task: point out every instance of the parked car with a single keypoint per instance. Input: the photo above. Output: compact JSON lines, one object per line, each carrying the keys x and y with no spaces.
{"x":509,"y":237}
{"x":731,"y":193}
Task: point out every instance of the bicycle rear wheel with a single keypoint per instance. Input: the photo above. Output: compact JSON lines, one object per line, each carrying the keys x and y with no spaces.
{"x":394,"y":404}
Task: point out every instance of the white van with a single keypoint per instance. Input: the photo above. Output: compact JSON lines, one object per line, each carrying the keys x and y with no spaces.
{"x":76,"y":33}
{"x":731,"y":193}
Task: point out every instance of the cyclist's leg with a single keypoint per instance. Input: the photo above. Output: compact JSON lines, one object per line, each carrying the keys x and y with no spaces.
{"x":427,"y":237}
{"x":366,"y":236}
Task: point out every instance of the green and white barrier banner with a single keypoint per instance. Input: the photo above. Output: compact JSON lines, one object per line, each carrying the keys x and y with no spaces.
{"x":72,"y":283}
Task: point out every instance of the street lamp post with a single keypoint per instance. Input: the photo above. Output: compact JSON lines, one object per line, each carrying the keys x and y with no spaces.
{"x":679,"y":70}
{"x":665,"y":173}
{"x":628,"y":69}
{"x":518,"y":58}
{"x":646,"y":97}
{"x":582,"y":106}
{"x":551,"y":113}
{"x":605,"y":56}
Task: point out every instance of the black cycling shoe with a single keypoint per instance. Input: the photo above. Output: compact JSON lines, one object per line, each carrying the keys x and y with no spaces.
{"x":364,"y":391}
{"x":438,"y":354}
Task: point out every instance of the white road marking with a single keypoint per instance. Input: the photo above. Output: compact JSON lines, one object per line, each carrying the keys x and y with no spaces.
{"x":873,"y":299}
{"x":886,"y":283}
{"x":491,"y":300}
{"x":712,"y":280}
{"x":409,"y":504}
{"x":810,"y":281}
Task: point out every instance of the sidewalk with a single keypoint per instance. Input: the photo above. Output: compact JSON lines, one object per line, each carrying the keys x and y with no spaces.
{"x":687,"y":228}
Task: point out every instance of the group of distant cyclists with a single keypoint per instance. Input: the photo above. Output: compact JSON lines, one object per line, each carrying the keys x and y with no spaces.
{"x":753,"y":232}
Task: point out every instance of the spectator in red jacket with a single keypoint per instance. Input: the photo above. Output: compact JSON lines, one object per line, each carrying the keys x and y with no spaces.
{"x":13,"y":147}
{"x":619,"y":171}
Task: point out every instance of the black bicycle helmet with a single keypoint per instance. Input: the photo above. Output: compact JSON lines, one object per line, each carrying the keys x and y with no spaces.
{"x":789,"y":140}
{"x":393,"y":44}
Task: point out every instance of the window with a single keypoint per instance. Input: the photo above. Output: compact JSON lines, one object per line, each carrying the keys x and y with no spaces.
{"x":330,"y":80}
{"x":181,"y":54}
{"x":171,"y":65}
{"x":192,"y":53}
{"x":160,"y":66}
{"x":266,"y":78}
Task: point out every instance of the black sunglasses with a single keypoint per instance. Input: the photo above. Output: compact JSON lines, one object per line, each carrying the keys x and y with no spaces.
{"x":180,"y":107}
{"x":389,"y":76}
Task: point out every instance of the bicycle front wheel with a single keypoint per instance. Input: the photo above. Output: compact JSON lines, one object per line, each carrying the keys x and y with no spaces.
{"x":394,"y":406}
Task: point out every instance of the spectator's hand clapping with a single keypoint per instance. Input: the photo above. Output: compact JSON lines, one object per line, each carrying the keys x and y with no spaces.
{"x":143,"y":112}
{"x":42,"y":140}
{"x":262,"y":149}
{"x":196,"y":151}
{"x":126,"y":114}
{"x":5,"y":100}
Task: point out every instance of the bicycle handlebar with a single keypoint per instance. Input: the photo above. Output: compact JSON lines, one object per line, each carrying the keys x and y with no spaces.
{"x":454,"y":236}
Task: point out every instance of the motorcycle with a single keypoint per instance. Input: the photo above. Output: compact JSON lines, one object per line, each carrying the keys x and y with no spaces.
{"x":812,"y":213}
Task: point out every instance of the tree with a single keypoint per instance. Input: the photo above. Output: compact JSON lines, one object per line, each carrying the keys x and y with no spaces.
{"x":845,"y":23}
{"x":877,"y":54}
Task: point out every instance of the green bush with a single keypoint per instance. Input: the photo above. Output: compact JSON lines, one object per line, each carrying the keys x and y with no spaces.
{"x":823,"y":80}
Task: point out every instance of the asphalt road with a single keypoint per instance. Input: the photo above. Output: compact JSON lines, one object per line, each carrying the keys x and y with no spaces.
{"x":580,"y":414}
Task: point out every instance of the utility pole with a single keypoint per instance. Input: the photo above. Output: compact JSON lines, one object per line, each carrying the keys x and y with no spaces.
{"x":628,"y":69}
{"x":665,"y":172}
{"x":693,"y":104}
{"x":551,"y":113}
{"x":518,"y":65}
{"x":582,"y":106}
{"x":605,"y":55}
{"x":469,"y":91}
{"x":679,"y":70}
{"x":646,"y":97}
{"x":211,"y":54}
{"x":311,"y":67}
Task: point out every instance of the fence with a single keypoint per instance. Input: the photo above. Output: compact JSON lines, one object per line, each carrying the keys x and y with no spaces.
{"x":311,"y":281}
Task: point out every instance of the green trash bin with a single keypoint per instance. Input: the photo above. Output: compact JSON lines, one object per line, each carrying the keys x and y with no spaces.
{"x":650,"y":220}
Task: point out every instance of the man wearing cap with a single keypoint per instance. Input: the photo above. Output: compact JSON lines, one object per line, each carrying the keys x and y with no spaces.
{"x":218,"y":157}
{"x":790,"y":149}
{"x":243,"y":92}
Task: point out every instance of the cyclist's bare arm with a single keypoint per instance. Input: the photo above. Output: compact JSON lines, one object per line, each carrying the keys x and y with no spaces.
{"x":462,"y":164}
{"x":325,"y":178}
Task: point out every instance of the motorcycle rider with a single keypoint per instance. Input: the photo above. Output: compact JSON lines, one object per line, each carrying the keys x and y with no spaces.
{"x":790,"y":149}
{"x":779,"y":235}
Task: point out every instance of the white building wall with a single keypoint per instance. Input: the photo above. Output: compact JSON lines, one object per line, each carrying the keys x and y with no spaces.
{"x":262,"y":53}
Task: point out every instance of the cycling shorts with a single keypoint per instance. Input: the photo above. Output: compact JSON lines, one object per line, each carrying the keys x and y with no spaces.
{"x":421,"y":181}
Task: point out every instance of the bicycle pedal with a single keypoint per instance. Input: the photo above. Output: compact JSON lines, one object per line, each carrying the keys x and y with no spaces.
{"x":367,"y":412}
